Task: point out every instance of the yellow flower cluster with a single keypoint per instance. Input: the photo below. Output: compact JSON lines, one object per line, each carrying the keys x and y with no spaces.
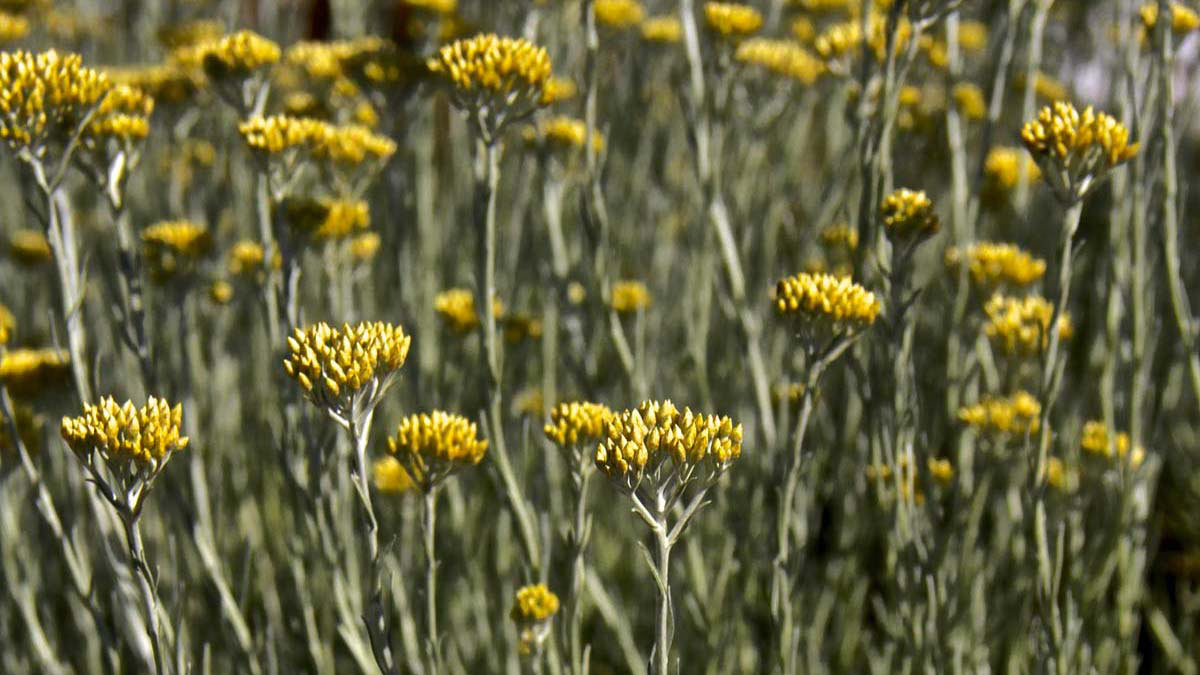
{"x":239,"y":54}
{"x":364,"y":247}
{"x":456,"y":306}
{"x":1183,"y":18}
{"x":908,"y":215}
{"x":1015,"y":415}
{"x":390,"y":476}
{"x":8,"y":324}
{"x":488,"y":63}
{"x":782,"y":57}
{"x":431,"y":446}
{"x":991,"y":264}
{"x":732,"y":20}
{"x":568,"y":133}
{"x":347,"y":144}
{"x":321,"y":60}
{"x":630,"y":296}
{"x":519,"y":326}
{"x":970,"y":100}
{"x":45,"y":97}
{"x":146,"y":435}
{"x":1021,"y":326}
{"x":1003,"y":167}
{"x":325,"y":219}
{"x":577,"y":422}
{"x":618,"y":13}
{"x":180,"y":237}
{"x":824,"y":297}
{"x":664,"y":29}
{"x":1076,"y":148}
{"x":333,"y":365}
{"x":840,"y":235}
{"x":30,"y":371}
{"x":644,"y":438}
{"x":169,"y":83}
{"x":558,"y":89}
{"x":534,"y":604}
{"x":1096,"y":441}
{"x":844,"y":39}
{"x":12,"y":27}
{"x":30,"y":247}
{"x":124,"y":114}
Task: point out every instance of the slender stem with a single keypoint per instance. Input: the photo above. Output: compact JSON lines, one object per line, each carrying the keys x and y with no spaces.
{"x":431,"y":627}
{"x":140,"y":566}
{"x":581,"y":479}
{"x":662,"y":645}
{"x":61,"y":234}
{"x":129,"y":265}
{"x":271,"y":276}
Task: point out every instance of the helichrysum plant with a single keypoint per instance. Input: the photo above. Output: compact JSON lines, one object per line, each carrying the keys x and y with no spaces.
{"x":1015,"y":415}
{"x":1074,"y":149}
{"x":820,"y":307}
{"x":993,"y":264}
{"x":731,"y":20}
{"x":908,"y":216}
{"x":618,"y":13}
{"x":1021,"y":326}
{"x":533,"y":610}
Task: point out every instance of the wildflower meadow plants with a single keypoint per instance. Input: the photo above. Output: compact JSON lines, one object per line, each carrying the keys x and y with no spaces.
{"x":344,"y":337}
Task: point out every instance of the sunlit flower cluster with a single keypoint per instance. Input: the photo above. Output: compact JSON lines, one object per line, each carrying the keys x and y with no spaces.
{"x":335,"y":365}
{"x":629,"y":296}
{"x":568,"y":133}
{"x":494,"y":77}
{"x":640,"y":441}
{"x":1014,"y":415}
{"x":26,"y":372}
{"x":840,"y":236}
{"x":390,"y":476}
{"x":1003,"y":168}
{"x":238,"y":54}
{"x":1021,"y":326}
{"x":558,"y":89}
{"x":970,"y":100}
{"x":29,"y":247}
{"x":46,"y":97}
{"x":664,"y":29}
{"x":246,"y":259}
{"x":618,"y":13}
{"x":165,"y":83}
{"x":432,"y":446}
{"x":908,"y":215}
{"x":823,"y":300}
{"x":1183,"y":18}
{"x":123,"y":114}
{"x":326,"y":219}
{"x":1075,"y":149}
{"x":456,"y":306}
{"x":843,"y":40}
{"x":534,"y":604}
{"x":992,"y":264}
{"x":12,"y":27}
{"x":348,"y":144}
{"x":732,"y":20}
{"x":781,"y":57}
{"x":1096,"y":440}
{"x":577,"y":422}
{"x":122,"y":433}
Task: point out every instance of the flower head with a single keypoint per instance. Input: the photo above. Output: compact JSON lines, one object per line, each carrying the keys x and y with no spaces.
{"x":124,"y":114}
{"x":1183,"y":18}
{"x":630,"y":296}
{"x":237,"y":55}
{"x":908,"y":216}
{"x":456,"y":306}
{"x":731,"y":19}
{"x":12,"y":27}
{"x":27,"y":372}
{"x":840,"y":236}
{"x":618,"y":13}
{"x":1076,"y":149}
{"x":30,"y":247}
{"x":993,"y":264}
{"x":970,"y":100}
{"x":1014,"y":415}
{"x":432,"y":446}
{"x":823,"y":304}
{"x":1097,"y":441}
{"x":1021,"y":326}
{"x":781,"y":57}
{"x":1002,"y":168}
{"x":497,"y":79}
{"x":558,"y":89}
{"x":364,"y":247}
{"x":664,"y":29}
{"x":576,"y":423}
{"x":345,"y":371}
{"x":173,"y":247}
{"x":390,"y":476}
{"x":534,"y":604}
{"x":145,"y":436}
{"x":45,"y":98}
{"x":326,"y":219}
{"x":567,"y":133}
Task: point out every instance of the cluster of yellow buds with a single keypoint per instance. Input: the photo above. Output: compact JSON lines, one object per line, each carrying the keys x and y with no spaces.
{"x":568,"y":133}
{"x":348,"y":144}
{"x":1183,"y":18}
{"x":1021,"y":326}
{"x":321,"y":60}
{"x":630,"y":296}
{"x":665,"y":29}
{"x":432,"y":446}
{"x":336,"y":365}
{"x":390,"y":476}
{"x":992,"y":264}
{"x":147,"y":436}
{"x":731,"y":19}
{"x":1076,"y":149}
{"x":456,"y":306}
{"x":494,"y":75}
{"x":840,"y":236}
{"x":644,"y":440}
{"x":12,"y":27}
{"x":908,"y":215}
{"x":29,"y":247}
{"x":171,"y":247}
{"x":826,"y":300}
{"x":364,"y":247}
{"x":326,"y":219}
{"x":1096,"y":441}
{"x":1060,"y":477}
{"x":618,"y":13}
{"x":46,"y":97}
{"x":572,"y":424}
{"x":246,"y":259}
{"x":238,"y":55}
{"x":1014,"y":415}
{"x":558,"y":89}
{"x":843,"y":40}
{"x":1002,"y":167}
{"x":969,"y":99}
{"x":781,"y":57}
{"x":27,"y":372}
{"x":124,"y":114}
{"x":532,"y":611}
{"x":7,"y":325}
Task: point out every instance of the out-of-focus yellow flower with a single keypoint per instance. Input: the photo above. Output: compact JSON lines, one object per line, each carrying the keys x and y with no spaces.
{"x":46,"y":97}
{"x":1183,"y":18}
{"x":29,"y":431}
{"x":558,"y":89}
{"x":519,"y":326}
{"x":731,"y":19}
{"x":1060,"y":477}
{"x":124,"y":114}
{"x":1096,"y":441}
{"x":27,"y":372}
{"x":1076,"y":149}
{"x":908,"y":216}
{"x":346,"y":144}
{"x":167,"y":83}
{"x":576,"y":293}
{"x":495,"y":75}
{"x":30,"y":247}
{"x":1021,"y":326}
{"x":529,"y":402}
{"x":1015,"y":415}
{"x":220,"y":292}
{"x":12,"y":27}
{"x":568,"y":133}
{"x":321,"y":60}
{"x":941,"y":470}
{"x":576,"y":423}
{"x":123,"y":434}
{"x":970,"y":100}
{"x":364,"y":247}
{"x":842,"y":40}
{"x":781,"y":57}
{"x":337,"y":366}
{"x":534,"y":604}
{"x":630,"y":296}
{"x":189,"y":33}
{"x":8,"y":324}
{"x":664,"y":29}
{"x":432,"y":446}
{"x":834,"y":303}
{"x":246,"y":259}
{"x":840,"y":236}
{"x":1003,"y":168}
{"x":180,"y":237}
{"x":456,"y":306}
{"x":804,"y":30}
{"x":236,"y":55}
{"x":992,"y":264}
{"x":390,"y":476}
{"x":972,"y":36}
{"x":657,"y":435}
{"x":326,"y":219}
{"x":439,"y":6}
{"x":619,"y":13}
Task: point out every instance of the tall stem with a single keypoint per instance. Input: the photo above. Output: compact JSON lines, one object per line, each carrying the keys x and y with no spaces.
{"x":431,"y":627}
{"x":662,"y":644}
{"x":581,"y":478}
{"x":140,"y":567}
{"x":61,"y":233}
{"x":781,"y":601}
